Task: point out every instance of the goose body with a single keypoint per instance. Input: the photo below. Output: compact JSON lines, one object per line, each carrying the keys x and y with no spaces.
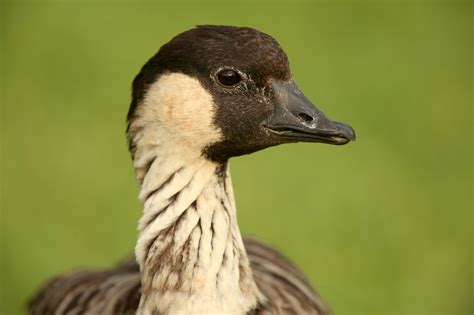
{"x":211,"y":93}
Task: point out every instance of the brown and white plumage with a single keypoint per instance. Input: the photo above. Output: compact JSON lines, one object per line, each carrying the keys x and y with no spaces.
{"x":211,"y":93}
{"x":117,"y":291}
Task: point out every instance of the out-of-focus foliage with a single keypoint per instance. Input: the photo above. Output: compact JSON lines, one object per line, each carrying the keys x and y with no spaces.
{"x":381,"y":226}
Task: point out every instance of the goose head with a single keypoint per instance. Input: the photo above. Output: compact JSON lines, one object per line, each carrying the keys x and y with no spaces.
{"x":223,"y":91}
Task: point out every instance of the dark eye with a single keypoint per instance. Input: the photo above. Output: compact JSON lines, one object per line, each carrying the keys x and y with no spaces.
{"x":228,"y":77}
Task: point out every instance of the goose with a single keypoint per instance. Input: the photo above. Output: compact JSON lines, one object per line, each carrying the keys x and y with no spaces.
{"x":209,"y":94}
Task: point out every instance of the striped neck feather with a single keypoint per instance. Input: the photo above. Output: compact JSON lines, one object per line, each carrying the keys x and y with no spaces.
{"x":190,"y":249}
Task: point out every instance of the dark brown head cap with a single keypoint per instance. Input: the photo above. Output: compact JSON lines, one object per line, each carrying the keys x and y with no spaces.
{"x":202,"y":50}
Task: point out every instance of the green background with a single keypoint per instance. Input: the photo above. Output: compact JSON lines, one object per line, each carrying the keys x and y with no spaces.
{"x":381,"y":226}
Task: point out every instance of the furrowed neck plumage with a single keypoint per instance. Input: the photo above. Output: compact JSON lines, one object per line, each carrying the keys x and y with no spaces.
{"x":190,"y":250}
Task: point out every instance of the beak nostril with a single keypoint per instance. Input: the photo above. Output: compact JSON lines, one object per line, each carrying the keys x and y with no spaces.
{"x":305,"y":117}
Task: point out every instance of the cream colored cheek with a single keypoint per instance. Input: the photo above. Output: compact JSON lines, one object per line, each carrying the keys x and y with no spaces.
{"x":181,"y":106}
{"x":189,"y":118}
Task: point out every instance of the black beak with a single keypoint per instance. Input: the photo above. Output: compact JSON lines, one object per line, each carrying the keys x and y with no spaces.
{"x":295,"y":118}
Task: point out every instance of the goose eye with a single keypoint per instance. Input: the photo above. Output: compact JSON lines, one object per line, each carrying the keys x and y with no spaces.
{"x":228,"y":77}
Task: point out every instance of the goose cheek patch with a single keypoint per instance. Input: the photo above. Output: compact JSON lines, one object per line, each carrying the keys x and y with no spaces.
{"x":179,"y":106}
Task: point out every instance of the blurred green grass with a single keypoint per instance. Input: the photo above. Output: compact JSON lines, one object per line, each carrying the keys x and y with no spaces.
{"x":381,"y":226}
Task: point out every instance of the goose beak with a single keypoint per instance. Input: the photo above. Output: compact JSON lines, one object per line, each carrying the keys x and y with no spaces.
{"x":296,"y":119}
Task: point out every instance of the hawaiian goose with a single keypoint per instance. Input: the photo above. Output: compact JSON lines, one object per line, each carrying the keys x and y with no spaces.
{"x":211,"y":93}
